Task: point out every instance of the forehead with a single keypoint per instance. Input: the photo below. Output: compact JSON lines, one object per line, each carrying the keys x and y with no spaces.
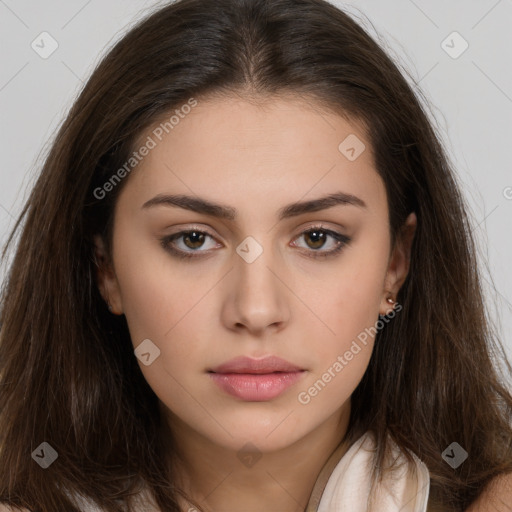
{"x":230,"y":147}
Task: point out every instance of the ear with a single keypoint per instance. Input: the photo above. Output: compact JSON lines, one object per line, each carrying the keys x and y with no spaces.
{"x":399,"y":263}
{"x":106,"y":277}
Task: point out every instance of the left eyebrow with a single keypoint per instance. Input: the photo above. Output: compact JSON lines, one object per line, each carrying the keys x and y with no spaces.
{"x":206,"y":207}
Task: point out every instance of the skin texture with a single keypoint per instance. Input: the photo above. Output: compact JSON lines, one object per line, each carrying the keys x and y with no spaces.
{"x":203,"y":311}
{"x":497,"y":497}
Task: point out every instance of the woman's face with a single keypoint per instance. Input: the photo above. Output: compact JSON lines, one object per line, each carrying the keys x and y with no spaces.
{"x":259,"y":273}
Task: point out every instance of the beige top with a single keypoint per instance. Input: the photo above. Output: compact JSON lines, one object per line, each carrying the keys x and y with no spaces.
{"x":344,"y":482}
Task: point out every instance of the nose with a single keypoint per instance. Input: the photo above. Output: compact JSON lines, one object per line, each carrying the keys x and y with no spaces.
{"x":256,"y":299}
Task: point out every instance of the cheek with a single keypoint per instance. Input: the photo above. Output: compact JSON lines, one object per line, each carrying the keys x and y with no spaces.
{"x":350,"y":299}
{"x":162,"y":302}
{"x":161,"y":308}
{"x":349,"y":303}
{"x":156,"y":294}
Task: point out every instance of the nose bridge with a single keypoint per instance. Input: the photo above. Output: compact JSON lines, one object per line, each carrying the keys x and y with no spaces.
{"x":257,"y":294}
{"x":252,"y":269}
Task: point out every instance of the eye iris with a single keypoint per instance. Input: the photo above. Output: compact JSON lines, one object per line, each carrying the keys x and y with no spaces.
{"x":318,"y":238}
{"x":196,"y":243}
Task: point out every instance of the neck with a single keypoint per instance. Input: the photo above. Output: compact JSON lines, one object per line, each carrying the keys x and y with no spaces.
{"x":222,"y":479}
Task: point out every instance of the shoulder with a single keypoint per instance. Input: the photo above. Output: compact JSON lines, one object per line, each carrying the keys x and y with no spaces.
{"x":496,"y":497}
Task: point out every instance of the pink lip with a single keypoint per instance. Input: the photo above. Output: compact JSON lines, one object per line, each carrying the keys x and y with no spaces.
{"x":256,"y":380}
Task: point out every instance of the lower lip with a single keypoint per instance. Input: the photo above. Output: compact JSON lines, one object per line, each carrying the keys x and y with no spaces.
{"x":256,"y":387}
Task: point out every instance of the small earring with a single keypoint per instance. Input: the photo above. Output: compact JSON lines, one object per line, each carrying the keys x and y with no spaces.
{"x":109,"y":306}
{"x":390,"y":300}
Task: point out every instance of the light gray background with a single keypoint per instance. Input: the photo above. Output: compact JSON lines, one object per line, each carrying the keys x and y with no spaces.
{"x":471,"y":97}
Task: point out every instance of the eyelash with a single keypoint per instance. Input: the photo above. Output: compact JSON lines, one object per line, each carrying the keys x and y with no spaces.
{"x":342,"y":241}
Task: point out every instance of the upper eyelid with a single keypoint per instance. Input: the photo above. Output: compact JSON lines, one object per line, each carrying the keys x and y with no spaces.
{"x":207,"y":230}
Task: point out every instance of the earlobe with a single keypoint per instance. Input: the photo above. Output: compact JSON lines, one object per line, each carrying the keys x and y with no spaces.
{"x":106,"y":278}
{"x":399,"y":263}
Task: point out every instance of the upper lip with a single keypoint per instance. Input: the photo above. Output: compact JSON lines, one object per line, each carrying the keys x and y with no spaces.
{"x":269,"y":364}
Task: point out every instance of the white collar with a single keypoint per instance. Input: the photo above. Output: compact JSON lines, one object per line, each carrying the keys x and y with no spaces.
{"x":348,"y":485}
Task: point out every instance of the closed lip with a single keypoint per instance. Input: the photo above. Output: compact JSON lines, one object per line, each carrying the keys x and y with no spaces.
{"x":248,"y":365}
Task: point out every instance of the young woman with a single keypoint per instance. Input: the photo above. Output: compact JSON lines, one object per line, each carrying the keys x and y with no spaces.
{"x":245,"y":281}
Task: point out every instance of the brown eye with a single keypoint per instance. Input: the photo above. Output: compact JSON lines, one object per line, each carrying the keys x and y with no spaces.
{"x":196,"y":239}
{"x":316,"y":237}
{"x":186,"y":244}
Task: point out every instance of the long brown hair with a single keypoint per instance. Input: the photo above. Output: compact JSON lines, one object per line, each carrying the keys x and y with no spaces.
{"x":68,"y":373}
